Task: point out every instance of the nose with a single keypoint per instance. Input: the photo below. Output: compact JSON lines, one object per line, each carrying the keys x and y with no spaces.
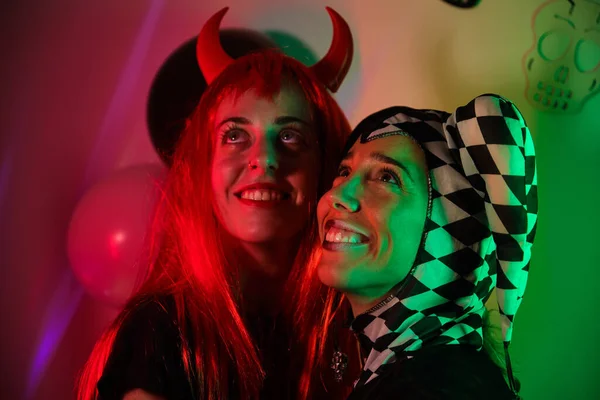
{"x":345,"y":196}
{"x":263,"y":157}
{"x":561,"y":75}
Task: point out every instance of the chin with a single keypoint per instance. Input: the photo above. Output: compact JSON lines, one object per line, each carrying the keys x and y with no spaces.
{"x":265,"y":235}
{"x":259,"y":237}
{"x":332,"y":277}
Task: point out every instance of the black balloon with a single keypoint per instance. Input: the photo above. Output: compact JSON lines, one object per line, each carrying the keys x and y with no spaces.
{"x":463,"y":3}
{"x":179,"y":84}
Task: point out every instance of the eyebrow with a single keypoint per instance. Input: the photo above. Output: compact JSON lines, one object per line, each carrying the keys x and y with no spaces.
{"x":389,"y":160}
{"x":288,"y":119}
{"x":383,"y":159}
{"x":283,"y":120}
{"x":237,"y":120}
{"x":568,"y":21}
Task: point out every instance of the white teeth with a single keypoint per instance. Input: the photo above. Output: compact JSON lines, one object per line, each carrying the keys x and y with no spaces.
{"x":336,"y":235}
{"x":262,"y":195}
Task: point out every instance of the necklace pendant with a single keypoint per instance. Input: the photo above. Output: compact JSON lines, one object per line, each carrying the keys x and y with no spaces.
{"x":339,"y":363}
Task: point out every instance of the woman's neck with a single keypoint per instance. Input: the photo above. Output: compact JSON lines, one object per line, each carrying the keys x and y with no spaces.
{"x":361,"y":304}
{"x":264,"y":269}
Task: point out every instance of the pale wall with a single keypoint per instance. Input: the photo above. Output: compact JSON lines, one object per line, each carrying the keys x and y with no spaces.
{"x":62,"y":67}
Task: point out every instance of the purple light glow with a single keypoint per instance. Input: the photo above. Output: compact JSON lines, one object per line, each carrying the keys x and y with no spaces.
{"x":103,"y":153}
{"x":68,"y":294}
{"x":61,"y":308}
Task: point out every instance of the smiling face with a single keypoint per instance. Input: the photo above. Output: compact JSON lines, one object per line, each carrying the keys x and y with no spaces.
{"x":372,"y":220}
{"x":265,"y":166}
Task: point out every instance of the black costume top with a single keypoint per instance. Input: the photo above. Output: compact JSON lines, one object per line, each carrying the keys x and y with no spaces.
{"x":146,"y":354}
{"x":442,"y":373}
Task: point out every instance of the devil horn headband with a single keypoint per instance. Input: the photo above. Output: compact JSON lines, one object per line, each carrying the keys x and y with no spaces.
{"x":330,"y":70}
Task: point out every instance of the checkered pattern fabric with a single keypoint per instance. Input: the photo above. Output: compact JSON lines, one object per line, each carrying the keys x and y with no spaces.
{"x":478,"y":234}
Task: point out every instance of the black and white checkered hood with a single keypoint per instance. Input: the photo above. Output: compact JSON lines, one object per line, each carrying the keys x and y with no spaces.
{"x":478,"y":234}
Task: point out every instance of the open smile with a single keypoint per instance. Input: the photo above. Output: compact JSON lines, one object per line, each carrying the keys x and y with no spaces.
{"x":341,"y":235}
{"x":262,"y":195}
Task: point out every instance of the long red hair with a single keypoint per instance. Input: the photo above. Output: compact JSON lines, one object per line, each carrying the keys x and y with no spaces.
{"x":320,"y":321}
{"x":189,"y":263}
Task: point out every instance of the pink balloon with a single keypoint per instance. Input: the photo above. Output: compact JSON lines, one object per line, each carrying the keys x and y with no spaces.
{"x":107,"y":232}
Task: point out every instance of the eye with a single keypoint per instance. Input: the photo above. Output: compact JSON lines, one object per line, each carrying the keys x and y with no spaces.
{"x":343,"y":171}
{"x":290,"y":136}
{"x":342,"y":174}
{"x":554,"y":45}
{"x":388,"y":176}
{"x":234,"y":136}
{"x":587,"y":55}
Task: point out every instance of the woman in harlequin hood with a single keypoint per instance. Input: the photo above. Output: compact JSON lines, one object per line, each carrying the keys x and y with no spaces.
{"x":429,"y":213}
{"x":216,"y":317}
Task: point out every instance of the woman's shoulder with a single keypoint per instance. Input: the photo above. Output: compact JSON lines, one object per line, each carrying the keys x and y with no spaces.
{"x":456,"y":372}
{"x":448,"y":372}
{"x":146,"y":352}
{"x":151,"y":312}
{"x":148,"y":322}
{"x":463,"y":372}
{"x":149,"y":327}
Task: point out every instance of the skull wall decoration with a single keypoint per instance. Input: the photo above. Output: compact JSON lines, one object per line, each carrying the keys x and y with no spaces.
{"x":563,"y":66}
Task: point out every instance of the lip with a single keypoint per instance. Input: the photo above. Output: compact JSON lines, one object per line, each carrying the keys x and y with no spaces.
{"x":341,"y":224}
{"x":347,"y":226}
{"x":263,"y":186}
{"x":341,"y":246}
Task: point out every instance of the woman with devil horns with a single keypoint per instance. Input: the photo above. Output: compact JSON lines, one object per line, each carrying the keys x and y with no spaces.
{"x":216,"y":316}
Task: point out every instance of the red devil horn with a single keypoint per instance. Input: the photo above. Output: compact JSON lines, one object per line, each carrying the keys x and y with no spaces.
{"x":332,"y":68}
{"x":212,"y":59}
